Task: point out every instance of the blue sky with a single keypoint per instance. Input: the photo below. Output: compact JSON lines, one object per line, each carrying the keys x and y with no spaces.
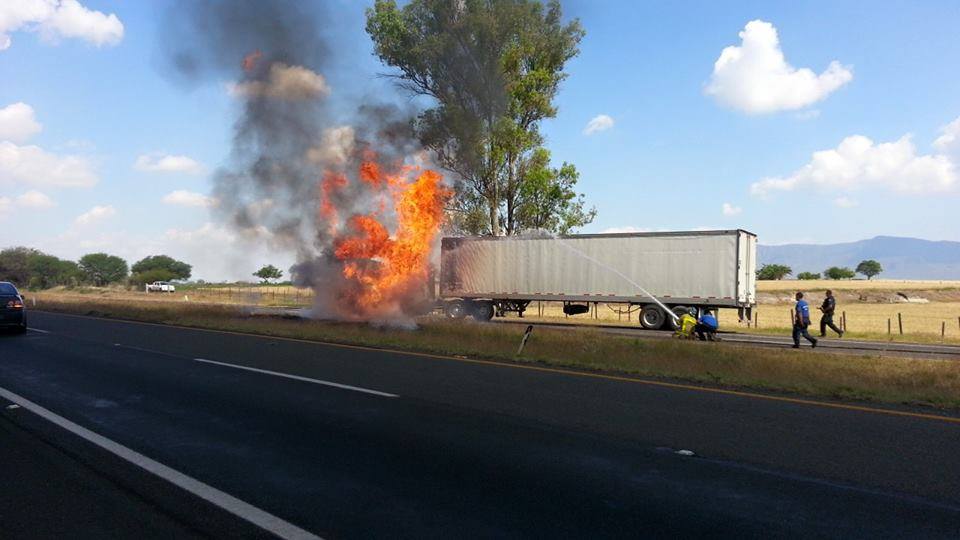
{"x":87,"y":116}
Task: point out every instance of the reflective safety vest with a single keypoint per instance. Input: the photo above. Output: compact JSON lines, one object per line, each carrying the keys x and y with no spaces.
{"x":686,"y":325}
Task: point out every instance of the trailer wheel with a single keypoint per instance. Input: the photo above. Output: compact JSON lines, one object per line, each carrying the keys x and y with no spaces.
{"x":652,"y":317}
{"x":679,"y":311}
{"x":456,"y":310}
{"x":482,"y":311}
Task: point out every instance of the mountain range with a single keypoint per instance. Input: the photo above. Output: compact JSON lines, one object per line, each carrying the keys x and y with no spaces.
{"x":901,"y":258}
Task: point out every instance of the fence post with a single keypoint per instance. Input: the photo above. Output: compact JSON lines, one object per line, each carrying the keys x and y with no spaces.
{"x":943,"y":330}
{"x":900,"y":322}
{"x":756,"y":318}
{"x":888,"y":327}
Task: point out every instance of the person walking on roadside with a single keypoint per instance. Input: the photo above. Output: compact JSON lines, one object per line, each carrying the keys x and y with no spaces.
{"x":828,"y":307}
{"x":801,"y":320}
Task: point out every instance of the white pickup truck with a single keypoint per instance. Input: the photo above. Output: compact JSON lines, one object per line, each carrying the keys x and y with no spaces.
{"x":161,"y":286}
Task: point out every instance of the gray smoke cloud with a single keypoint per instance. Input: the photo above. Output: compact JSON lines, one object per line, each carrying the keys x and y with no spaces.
{"x":286,"y":137}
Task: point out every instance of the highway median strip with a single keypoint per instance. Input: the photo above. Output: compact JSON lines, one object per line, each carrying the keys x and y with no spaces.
{"x":863,"y":378}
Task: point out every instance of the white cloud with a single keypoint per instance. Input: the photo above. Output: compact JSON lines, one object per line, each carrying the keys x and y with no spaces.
{"x":56,"y":19}
{"x":845,"y":202}
{"x":35,"y":199}
{"x":283,"y":82}
{"x":598,"y":123}
{"x":731,"y":210}
{"x":5,"y":204}
{"x":860,"y":163}
{"x":808,"y":114}
{"x":189,"y":198}
{"x":756,"y":78}
{"x":32,"y":165}
{"x":17,"y":123}
{"x":95,"y":214}
{"x":167,"y":164}
{"x":949,"y":140}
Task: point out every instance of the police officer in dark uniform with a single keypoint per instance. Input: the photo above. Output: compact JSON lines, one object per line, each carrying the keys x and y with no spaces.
{"x":828,"y":307}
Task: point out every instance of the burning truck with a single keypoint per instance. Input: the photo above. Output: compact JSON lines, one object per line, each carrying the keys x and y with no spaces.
{"x":484,"y":277}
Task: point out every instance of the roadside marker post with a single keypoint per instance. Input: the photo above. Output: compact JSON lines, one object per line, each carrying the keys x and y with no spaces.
{"x":526,"y":336}
{"x":943,"y":331}
{"x":900,"y":322}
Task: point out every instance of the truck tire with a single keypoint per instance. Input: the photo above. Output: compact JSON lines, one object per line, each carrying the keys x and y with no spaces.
{"x":652,"y":317}
{"x":482,"y":311}
{"x":456,"y":309}
{"x":679,"y":311}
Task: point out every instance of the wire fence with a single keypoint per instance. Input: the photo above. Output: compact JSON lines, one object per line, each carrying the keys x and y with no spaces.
{"x":927,"y":320}
{"x":267,"y":295}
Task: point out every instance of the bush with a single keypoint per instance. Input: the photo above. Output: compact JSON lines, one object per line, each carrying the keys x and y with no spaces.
{"x":836,"y":272}
{"x":808,"y":275}
{"x":773,"y":271}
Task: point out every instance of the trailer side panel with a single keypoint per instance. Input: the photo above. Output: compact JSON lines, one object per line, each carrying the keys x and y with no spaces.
{"x":692,"y":266}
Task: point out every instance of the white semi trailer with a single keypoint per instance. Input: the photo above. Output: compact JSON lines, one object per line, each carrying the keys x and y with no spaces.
{"x":485,"y":277}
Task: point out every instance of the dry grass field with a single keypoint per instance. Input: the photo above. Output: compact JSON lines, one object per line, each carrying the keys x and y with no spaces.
{"x":260,"y":295}
{"x":819,"y":374}
{"x":855,"y":284}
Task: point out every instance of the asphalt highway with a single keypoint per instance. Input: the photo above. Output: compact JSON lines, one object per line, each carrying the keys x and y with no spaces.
{"x":346,"y":442}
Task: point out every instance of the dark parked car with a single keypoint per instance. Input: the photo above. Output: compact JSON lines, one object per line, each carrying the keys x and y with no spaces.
{"x":12,"y":311}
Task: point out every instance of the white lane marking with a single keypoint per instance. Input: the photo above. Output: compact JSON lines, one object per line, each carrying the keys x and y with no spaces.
{"x":32,"y":329}
{"x":235,"y":506}
{"x":299,"y":378}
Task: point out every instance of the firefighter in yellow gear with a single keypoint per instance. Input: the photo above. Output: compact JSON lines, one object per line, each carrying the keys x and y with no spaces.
{"x":685,"y":326}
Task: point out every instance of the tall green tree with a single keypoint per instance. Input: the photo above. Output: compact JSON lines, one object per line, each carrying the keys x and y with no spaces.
{"x":773,"y":271}
{"x":268,"y":273}
{"x":869,"y":268}
{"x":49,"y":271}
{"x":493,"y":69}
{"x":174,"y":269}
{"x":547,"y":200}
{"x":102,"y":269}
{"x":15,"y":265}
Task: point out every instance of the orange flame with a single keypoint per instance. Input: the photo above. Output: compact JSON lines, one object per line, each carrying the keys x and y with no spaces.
{"x":331,"y":184}
{"x":250,"y":60}
{"x":385,"y":269}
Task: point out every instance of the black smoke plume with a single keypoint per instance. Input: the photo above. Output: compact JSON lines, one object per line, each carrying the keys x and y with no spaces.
{"x":278,"y":55}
